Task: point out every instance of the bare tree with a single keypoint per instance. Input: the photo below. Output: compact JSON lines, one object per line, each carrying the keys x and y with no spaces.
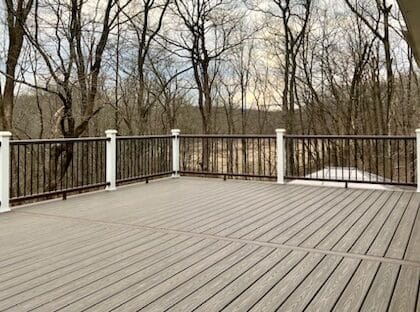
{"x":168,"y":88}
{"x":374,"y":22}
{"x":146,"y":26}
{"x":293,"y":16}
{"x":16,"y":16}
{"x":207,"y":34}
{"x":74,"y":64}
{"x":73,"y":60}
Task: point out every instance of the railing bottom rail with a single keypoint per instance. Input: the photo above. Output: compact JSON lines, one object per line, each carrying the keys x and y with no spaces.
{"x":64,"y":192}
{"x":145,"y":177}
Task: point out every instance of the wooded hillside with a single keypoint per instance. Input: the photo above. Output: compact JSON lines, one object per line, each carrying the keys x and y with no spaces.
{"x":71,"y":68}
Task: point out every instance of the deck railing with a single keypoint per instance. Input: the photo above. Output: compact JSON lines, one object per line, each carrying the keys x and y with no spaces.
{"x":31,"y":169}
{"x":143,"y":157}
{"x":358,"y":159}
{"x":251,"y":156}
{"x":43,"y":168}
{"x":48,"y":168}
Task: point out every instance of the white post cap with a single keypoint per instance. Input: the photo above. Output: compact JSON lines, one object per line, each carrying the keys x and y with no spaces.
{"x":418,"y":130}
{"x":5,"y":134}
{"x":175,"y":131}
{"x":111,"y":131}
{"x":280,"y":130}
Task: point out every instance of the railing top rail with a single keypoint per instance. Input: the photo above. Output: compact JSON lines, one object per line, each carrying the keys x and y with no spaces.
{"x":144,"y":137}
{"x":364,"y":137}
{"x":233,"y":136}
{"x":59,"y":140}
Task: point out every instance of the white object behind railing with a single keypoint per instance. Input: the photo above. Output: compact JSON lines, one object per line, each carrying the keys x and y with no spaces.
{"x":418,"y":159}
{"x":4,"y":170}
{"x":175,"y":152}
{"x":111,"y":160}
{"x":280,"y":155}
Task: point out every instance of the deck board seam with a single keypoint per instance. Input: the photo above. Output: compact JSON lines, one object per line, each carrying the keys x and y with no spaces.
{"x":246,"y":241}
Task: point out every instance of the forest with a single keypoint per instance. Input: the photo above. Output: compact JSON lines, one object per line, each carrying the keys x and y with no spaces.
{"x":74,"y":68}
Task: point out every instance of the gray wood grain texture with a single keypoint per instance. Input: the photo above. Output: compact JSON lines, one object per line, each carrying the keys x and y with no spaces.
{"x":211,"y":245}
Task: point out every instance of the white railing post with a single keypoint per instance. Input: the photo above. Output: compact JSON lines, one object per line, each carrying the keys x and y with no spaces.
{"x":175,"y":152}
{"x":4,"y":170}
{"x":111,"y":159}
{"x":418,"y":159}
{"x":280,"y":155}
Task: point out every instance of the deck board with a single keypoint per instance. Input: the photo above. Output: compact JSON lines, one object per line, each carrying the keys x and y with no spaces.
{"x":324,"y":223}
{"x":229,"y":224}
{"x":313,"y":220}
{"x":353,"y":296}
{"x":327,"y":295}
{"x":286,"y":218}
{"x":380,"y":292}
{"x":238,"y":227}
{"x":203,"y":285}
{"x":399,"y":243}
{"x":225,"y":291}
{"x":211,"y":245}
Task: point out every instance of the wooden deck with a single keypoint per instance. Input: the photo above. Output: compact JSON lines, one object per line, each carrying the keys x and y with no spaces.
{"x":209,"y":245}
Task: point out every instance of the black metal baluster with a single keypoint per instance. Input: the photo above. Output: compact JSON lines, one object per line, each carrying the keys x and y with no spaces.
{"x":32,"y":168}
{"x":383,"y":158}
{"x":406,"y":163}
{"x":398,"y":161}
{"x":355,"y":157}
{"x":18,"y":171}
{"x":391,"y":161}
{"x":363,"y":161}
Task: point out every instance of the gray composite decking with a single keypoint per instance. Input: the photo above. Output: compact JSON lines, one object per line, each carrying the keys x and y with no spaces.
{"x":210,"y":245}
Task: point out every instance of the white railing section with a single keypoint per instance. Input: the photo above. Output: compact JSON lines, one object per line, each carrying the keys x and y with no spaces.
{"x":175,"y":152}
{"x":4,"y":171}
{"x":280,"y":155}
{"x":111,"y":160}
